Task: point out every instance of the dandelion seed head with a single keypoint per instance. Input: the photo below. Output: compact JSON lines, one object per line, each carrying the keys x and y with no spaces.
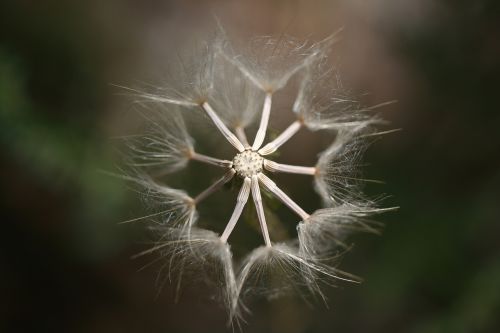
{"x":234,"y":88}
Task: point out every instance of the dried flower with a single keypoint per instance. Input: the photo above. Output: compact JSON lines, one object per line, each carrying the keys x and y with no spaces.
{"x":234,"y":89}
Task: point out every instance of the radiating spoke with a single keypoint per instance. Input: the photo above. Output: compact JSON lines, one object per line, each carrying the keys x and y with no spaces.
{"x":222,"y":127}
{"x":278,"y":167}
{"x":240,"y":204}
{"x":286,"y":135}
{"x":210,"y":160}
{"x":240,"y":133}
{"x":257,"y":199}
{"x":273,"y":188}
{"x":215,"y":186}
{"x":264,"y":121}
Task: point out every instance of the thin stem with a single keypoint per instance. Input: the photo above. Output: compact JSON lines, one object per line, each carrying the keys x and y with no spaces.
{"x":264,"y":121}
{"x":222,"y":127}
{"x":240,"y":204}
{"x":210,"y":160}
{"x":286,"y":135}
{"x":273,"y":188}
{"x":257,"y":199}
{"x":240,"y":133}
{"x":215,"y":186}
{"x":278,"y":167}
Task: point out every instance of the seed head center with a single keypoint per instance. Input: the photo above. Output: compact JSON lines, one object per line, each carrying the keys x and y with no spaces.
{"x":247,"y":163}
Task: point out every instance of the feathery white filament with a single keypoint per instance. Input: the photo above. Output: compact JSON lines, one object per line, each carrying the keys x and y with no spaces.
{"x":273,"y":188}
{"x":161,"y":99}
{"x":175,"y":207}
{"x":222,"y":127}
{"x":240,"y":204}
{"x":282,"y":264}
{"x":337,"y":178}
{"x":264,"y":121}
{"x":286,"y":135}
{"x":257,"y":199}
{"x":278,"y":167}
{"x":270,"y":63}
{"x":200,"y":249}
{"x":236,"y":99}
{"x":164,"y":148}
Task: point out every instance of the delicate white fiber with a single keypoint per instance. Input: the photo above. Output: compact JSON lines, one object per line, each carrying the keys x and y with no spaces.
{"x":270,"y":62}
{"x":273,"y":271}
{"x":190,"y":76}
{"x":237,"y":100}
{"x":166,"y":145}
{"x":326,"y":229}
{"x":338,"y":175}
{"x":200,"y":256}
{"x":166,"y":205}
{"x":322,"y":102}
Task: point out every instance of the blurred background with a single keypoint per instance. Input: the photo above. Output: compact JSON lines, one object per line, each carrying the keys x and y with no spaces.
{"x":65,"y":261}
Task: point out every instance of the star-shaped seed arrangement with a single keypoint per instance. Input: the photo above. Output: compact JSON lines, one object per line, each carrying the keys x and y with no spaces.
{"x":235,"y":89}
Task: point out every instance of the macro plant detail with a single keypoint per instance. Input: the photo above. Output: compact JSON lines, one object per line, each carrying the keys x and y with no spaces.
{"x":235,"y":89}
